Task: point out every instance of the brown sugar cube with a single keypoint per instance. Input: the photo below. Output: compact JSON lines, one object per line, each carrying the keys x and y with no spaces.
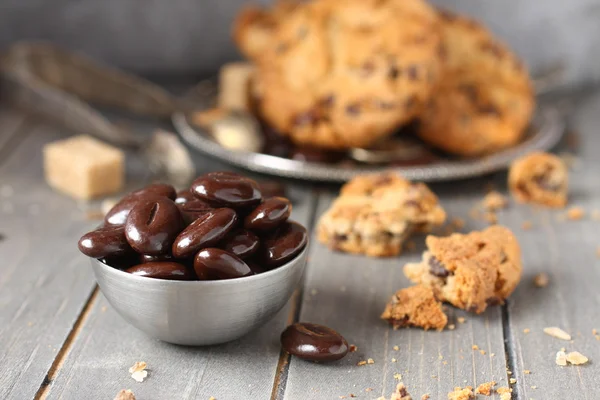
{"x":84,"y":167}
{"x":234,"y":86}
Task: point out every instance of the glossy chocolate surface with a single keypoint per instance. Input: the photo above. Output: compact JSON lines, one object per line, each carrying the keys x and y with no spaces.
{"x":152,"y":225}
{"x":213,"y":263}
{"x":226,"y":189}
{"x":160,"y":189}
{"x":206,"y":231}
{"x":104,"y":242}
{"x":313,"y":342}
{"x":283,"y":244}
{"x":242,"y":243}
{"x":163,"y":270}
{"x":269,"y":215}
{"x":184,"y":196}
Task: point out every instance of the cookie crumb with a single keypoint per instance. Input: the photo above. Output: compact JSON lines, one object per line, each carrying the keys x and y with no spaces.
{"x":541,"y":280}
{"x":401,"y":393}
{"x":485,"y":388}
{"x":505,"y":393}
{"x":533,"y":387}
{"x":125,"y":394}
{"x":482,"y":352}
{"x":575,"y":213}
{"x":138,"y":371}
{"x":425,"y":397}
{"x":394,"y":360}
{"x":451,"y":327}
{"x":526,"y":330}
{"x":397,"y":376}
{"x":370,"y":361}
{"x":361,"y":363}
{"x":212,"y":398}
{"x":368,"y":390}
{"x":576,"y":358}
{"x":461,"y":320}
{"x":352,"y":348}
{"x":396,"y":348}
{"x":475,"y":347}
{"x":492,"y":354}
{"x":494,"y":201}
{"x":561,"y":358}
{"x":526,"y":225}
{"x":512,"y":381}
{"x":461,"y":394}
{"x":527,"y":372}
{"x":557,"y":333}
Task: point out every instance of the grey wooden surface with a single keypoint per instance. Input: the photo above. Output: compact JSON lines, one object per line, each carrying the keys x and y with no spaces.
{"x":191,"y":36}
{"x":60,"y":339}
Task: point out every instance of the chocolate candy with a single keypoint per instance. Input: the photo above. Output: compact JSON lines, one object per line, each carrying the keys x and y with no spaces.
{"x":270,"y":214}
{"x":226,"y":189}
{"x":146,"y":258}
{"x":283,"y":244}
{"x":193,"y":209}
{"x":271,"y":189}
{"x":313,"y":342}
{"x":104,"y":242}
{"x":117,"y":216}
{"x":163,"y":270}
{"x":152,"y":225}
{"x":184,"y":196}
{"x":159,"y":189}
{"x":213,"y":263}
{"x":241,"y":243}
{"x":206,"y":231}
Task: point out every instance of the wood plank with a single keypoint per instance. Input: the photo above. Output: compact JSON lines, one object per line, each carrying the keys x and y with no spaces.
{"x":567,"y":252}
{"x":348,"y":293}
{"x":107,"y":346}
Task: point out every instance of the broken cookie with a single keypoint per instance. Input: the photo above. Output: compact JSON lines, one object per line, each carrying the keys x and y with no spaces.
{"x":470,"y":271}
{"x":415,"y":306}
{"x":540,"y":178}
{"x":375,"y":214}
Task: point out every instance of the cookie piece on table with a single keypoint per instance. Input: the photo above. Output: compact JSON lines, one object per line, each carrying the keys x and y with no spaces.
{"x":415,"y":306}
{"x":540,"y":178}
{"x":470,"y":271}
{"x":374,"y":215}
{"x":484,"y":100}
{"x":339,"y":74}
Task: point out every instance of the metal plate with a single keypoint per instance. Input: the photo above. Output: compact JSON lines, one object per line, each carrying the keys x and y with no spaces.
{"x":545,"y":132}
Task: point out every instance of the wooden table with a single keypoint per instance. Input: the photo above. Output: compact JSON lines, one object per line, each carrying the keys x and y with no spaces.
{"x":60,"y":339}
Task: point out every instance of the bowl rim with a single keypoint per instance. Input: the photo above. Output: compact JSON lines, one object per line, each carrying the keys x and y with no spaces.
{"x":107,"y":269}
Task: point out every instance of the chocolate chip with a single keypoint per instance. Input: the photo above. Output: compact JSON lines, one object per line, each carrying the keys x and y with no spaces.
{"x":367,"y":69}
{"x":489,"y":109}
{"x":402,"y":392}
{"x":436,"y":268}
{"x":480,"y":246}
{"x":306,"y":118}
{"x":411,"y":102}
{"x":394,"y":72}
{"x":353,"y":109}
{"x":469,"y":90}
{"x":544,"y":182}
{"x":494,"y":301}
{"x":400,"y":323}
{"x":413,"y":72}
{"x":503,"y":257}
{"x":328,"y":101}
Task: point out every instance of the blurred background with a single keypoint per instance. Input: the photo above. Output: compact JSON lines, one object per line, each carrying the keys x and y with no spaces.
{"x":183,"y":38}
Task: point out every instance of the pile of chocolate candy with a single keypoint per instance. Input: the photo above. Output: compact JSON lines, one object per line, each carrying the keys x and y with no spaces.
{"x":223,"y":227}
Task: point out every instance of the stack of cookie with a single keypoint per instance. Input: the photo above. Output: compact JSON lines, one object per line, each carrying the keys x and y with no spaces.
{"x":342,"y":74}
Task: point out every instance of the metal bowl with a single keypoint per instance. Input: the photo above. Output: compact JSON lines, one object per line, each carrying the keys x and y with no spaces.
{"x":199,"y":313}
{"x":545,"y":131}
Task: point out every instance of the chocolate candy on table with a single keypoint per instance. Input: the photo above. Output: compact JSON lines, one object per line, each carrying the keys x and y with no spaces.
{"x":152,"y":225}
{"x":271,"y":189}
{"x":213,"y":263}
{"x":107,"y":241}
{"x":313,"y":342}
{"x":163,"y":270}
{"x":206,"y":231}
{"x":269,"y":215}
{"x":160,"y":189}
{"x":241,"y":243}
{"x":283,"y":244}
{"x":226,"y":189}
{"x":184,"y":196}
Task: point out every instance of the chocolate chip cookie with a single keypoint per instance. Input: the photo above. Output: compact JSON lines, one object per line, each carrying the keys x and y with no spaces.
{"x":375,"y":214}
{"x":415,"y":306}
{"x":484,"y":99}
{"x":341,"y":73}
{"x":540,"y":178}
{"x":470,"y":271}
